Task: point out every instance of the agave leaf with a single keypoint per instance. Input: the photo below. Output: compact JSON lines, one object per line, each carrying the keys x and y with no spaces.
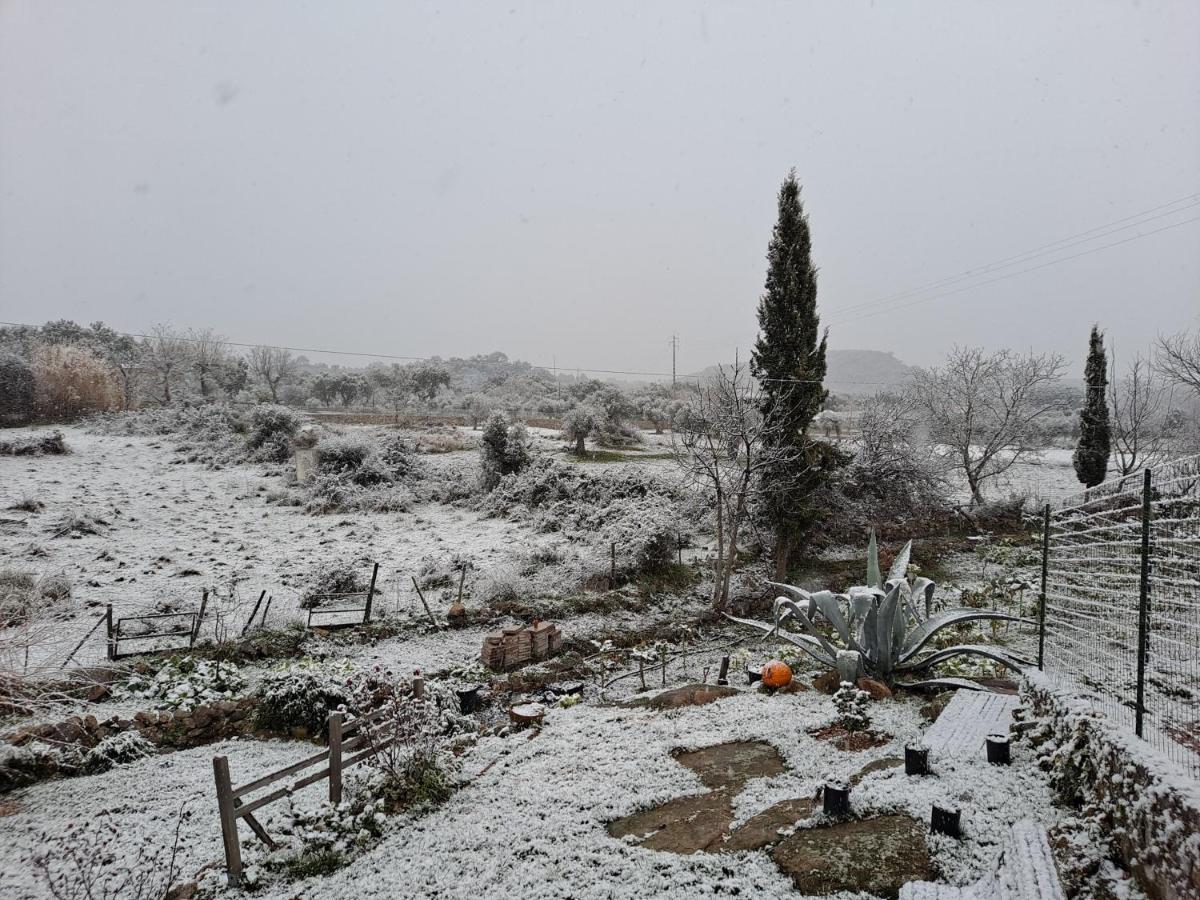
{"x":830,"y":606}
{"x":861,"y":600}
{"x":960,"y":683}
{"x":885,"y":626}
{"x":873,"y":579}
{"x":791,"y":610}
{"x":1011,"y":661}
{"x":922,"y":591}
{"x":805,"y":643}
{"x":798,"y":594}
{"x":918,"y":637}
{"x":870,"y":632}
{"x":899,"y":567}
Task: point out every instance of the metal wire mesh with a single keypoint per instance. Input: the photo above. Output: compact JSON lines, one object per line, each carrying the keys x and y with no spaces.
{"x":1123,"y":561}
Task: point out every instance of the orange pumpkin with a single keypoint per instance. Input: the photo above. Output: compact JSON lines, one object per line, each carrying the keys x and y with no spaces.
{"x":776,"y":674}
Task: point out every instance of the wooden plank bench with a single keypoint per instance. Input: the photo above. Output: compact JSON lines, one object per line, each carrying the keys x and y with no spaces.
{"x":1023,"y":871}
{"x":967,"y":720}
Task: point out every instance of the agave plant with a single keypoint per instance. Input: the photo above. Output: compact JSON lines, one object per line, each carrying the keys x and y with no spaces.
{"x":886,"y":623}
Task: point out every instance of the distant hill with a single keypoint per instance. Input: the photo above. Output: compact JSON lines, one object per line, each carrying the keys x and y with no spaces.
{"x":847,"y":369}
{"x":857,"y":371}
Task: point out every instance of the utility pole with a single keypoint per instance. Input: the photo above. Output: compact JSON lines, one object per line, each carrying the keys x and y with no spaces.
{"x":674,"y":344}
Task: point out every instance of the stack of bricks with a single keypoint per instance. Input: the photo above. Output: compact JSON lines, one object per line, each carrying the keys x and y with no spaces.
{"x":516,"y":646}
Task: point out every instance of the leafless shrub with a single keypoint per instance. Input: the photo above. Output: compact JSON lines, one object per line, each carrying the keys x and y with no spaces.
{"x":97,"y":860}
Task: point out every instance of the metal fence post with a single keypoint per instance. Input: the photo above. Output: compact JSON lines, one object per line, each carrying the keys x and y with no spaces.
{"x":335,"y":758}
{"x":112,"y":638}
{"x":1143,"y":609}
{"x":1042,"y":594}
{"x":370,"y":595}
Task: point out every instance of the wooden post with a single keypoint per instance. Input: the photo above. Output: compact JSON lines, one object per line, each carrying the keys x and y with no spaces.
{"x":112,"y":639}
{"x":91,"y":631}
{"x":266,"y":609}
{"x":1143,"y":610}
{"x":642,"y":672}
{"x":370,"y":595}
{"x":428,"y":611}
{"x":228,"y":813}
{"x":418,"y":687}
{"x":199,"y":619}
{"x":335,"y":758}
{"x":723,"y":672}
{"x":664,"y":669}
{"x":1042,"y":595}
{"x":462,"y":576}
{"x":253,"y":612}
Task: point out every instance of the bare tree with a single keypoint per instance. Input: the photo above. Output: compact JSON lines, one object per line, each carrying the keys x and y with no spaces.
{"x":722,"y":441}
{"x":166,"y":355}
{"x":273,"y":366}
{"x":984,"y":409}
{"x":208,"y":356}
{"x":1141,"y":428}
{"x":1178,"y":359}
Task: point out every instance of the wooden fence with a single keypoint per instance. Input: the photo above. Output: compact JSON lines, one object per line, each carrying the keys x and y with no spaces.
{"x":349,"y":744}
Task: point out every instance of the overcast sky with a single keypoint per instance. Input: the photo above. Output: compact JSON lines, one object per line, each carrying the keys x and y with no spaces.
{"x":577,"y":181}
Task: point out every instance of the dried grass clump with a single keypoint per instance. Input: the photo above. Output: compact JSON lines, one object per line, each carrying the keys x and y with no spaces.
{"x":26,"y":597}
{"x":49,"y":444}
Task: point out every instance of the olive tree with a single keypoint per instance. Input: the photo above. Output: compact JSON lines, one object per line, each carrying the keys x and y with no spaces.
{"x":983,"y":409}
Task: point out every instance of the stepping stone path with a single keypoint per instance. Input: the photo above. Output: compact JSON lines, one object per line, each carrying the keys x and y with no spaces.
{"x":876,"y":856}
{"x":967,"y":720}
{"x":873,"y":855}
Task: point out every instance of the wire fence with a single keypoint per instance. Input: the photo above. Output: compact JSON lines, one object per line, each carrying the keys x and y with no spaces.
{"x":1121,"y":616}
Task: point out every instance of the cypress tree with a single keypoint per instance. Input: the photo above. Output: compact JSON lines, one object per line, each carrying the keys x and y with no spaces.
{"x":789,"y":362}
{"x":1091,"y":453}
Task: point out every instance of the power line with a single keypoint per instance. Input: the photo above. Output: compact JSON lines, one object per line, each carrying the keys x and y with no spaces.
{"x":1005,"y":277}
{"x":1059,"y":245}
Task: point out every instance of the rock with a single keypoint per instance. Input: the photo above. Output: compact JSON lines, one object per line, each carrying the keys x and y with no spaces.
{"x":795,"y":686}
{"x":98,"y":692}
{"x":185,"y":891}
{"x":688,"y":695}
{"x":827,"y":683}
{"x":873,"y":856}
{"x":762,"y":830}
{"x":877,"y":689}
{"x":683,"y":825}
{"x":731,"y":765}
{"x":879,"y":765}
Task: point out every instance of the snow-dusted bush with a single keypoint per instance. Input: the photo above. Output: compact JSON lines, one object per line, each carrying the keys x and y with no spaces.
{"x":343,"y":828}
{"x":20,"y":766}
{"x":302,"y":694}
{"x":117,"y":749}
{"x":357,"y":474}
{"x":641,"y":513}
{"x":851,"y":705}
{"x":185,"y":682}
{"x":330,"y":578}
{"x":271,"y":430}
{"x":503,"y":450}
{"x":16,"y":390}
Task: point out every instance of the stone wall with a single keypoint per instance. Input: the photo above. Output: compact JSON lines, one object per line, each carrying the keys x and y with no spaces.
{"x":1145,"y":804}
{"x":175,"y":730}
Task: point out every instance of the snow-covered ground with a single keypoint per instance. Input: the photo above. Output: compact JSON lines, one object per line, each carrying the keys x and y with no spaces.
{"x":175,"y":528}
{"x":530,"y":821}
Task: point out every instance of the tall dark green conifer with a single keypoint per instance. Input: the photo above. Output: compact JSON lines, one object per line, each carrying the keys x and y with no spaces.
{"x":789,"y":362}
{"x":1091,"y":453}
